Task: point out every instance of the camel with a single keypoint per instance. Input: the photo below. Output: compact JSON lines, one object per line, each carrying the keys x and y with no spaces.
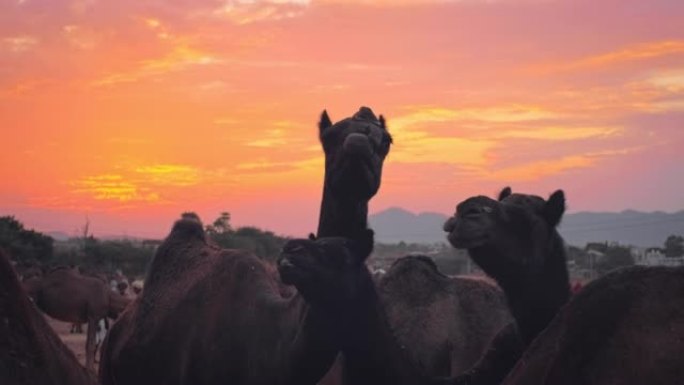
{"x":446,"y":323}
{"x":355,"y":149}
{"x":375,"y":355}
{"x":515,"y":241}
{"x":67,"y":295}
{"x":458,"y":303}
{"x":214,"y":316}
{"x":282,"y":339}
{"x":592,"y":339}
{"x":31,"y":352}
{"x":626,"y":328}
{"x":372,"y":355}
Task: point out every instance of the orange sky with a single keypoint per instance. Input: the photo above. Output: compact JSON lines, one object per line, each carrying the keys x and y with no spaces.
{"x":130,"y":111}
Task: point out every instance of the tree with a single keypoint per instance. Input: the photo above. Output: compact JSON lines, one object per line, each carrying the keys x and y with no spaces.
{"x":22,"y":244}
{"x":221,"y":225}
{"x":674,"y":246}
{"x":263,"y":244}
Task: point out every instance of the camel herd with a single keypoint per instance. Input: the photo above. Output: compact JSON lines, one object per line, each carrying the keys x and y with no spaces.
{"x":215,"y":316}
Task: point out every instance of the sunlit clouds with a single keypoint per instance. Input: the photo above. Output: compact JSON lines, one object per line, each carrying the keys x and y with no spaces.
{"x":134,"y":111}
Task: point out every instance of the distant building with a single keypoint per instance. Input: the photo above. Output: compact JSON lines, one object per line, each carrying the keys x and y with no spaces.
{"x":655,"y":256}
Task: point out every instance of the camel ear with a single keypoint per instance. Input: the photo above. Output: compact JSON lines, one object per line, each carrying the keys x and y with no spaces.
{"x":383,"y":124}
{"x":505,"y":193}
{"x":554,"y":208}
{"x":312,"y":236}
{"x":325,"y":121}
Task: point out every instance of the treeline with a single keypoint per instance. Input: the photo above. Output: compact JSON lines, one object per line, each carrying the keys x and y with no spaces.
{"x":131,"y":256}
{"x":32,"y":248}
{"x":24,"y":244}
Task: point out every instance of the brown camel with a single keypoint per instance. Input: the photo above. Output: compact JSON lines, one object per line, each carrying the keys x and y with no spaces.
{"x":446,"y":323}
{"x":30,"y":351}
{"x":67,"y":295}
{"x":199,"y":293}
{"x":214,"y":316}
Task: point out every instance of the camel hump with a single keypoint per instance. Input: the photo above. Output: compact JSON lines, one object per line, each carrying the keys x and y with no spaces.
{"x":415,"y":261}
{"x":365,"y":113}
{"x":188,"y":228}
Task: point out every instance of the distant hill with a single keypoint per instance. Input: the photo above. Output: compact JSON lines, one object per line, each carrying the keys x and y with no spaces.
{"x":626,"y":227}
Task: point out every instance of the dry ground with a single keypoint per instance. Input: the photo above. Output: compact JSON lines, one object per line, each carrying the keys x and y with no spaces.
{"x":75,"y":342}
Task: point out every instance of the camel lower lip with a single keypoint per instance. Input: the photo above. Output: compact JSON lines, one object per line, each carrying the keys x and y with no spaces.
{"x":461,"y":242}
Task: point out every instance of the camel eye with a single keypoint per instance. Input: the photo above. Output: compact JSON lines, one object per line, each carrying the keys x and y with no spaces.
{"x":473,"y":211}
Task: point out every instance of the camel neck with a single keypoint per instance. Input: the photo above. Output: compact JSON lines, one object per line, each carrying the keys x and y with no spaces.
{"x":536,"y":298}
{"x":314,"y":349}
{"x":373,"y":355}
{"x":341,"y":216}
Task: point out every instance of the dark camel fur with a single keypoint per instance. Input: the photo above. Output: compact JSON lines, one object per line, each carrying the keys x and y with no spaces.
{"x":30,"y":351}
{"x":372,"y":353}
{"x":355,"y":149}
{"x":66,"y":295}
{"x":626,"y":328}
{"x":515,"y":241}
{"x":214,"y":316}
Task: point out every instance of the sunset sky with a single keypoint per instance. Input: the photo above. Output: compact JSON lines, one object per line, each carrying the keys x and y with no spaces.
{"x":130,"y":112}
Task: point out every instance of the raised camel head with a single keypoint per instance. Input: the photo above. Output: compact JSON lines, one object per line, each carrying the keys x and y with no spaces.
{"x":355,"y":149}
{"x":326,"y":270}
{"x":508,"y":236}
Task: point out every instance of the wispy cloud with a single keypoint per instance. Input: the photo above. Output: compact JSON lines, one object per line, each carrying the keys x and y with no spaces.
{"x":671,"y":81}
{"x":243,"y":12}
{"x":420,"y":116}
{"x":632,"y":53}
{"x":181,"y":57}
{"x":536,"y":170}
{"x":170,"y":174}
{"x":113,"y":187}
{"x":18,"y":44}
{"x":149,"y":183}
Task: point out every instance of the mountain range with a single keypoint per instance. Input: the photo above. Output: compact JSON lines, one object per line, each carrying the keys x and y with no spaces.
{"x":629,"y":227}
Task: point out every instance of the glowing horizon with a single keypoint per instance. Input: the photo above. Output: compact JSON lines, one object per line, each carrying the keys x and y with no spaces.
{"x":131,"y":112}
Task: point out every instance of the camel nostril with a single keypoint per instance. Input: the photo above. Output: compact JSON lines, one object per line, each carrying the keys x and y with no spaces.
{"x":357,"y":144}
